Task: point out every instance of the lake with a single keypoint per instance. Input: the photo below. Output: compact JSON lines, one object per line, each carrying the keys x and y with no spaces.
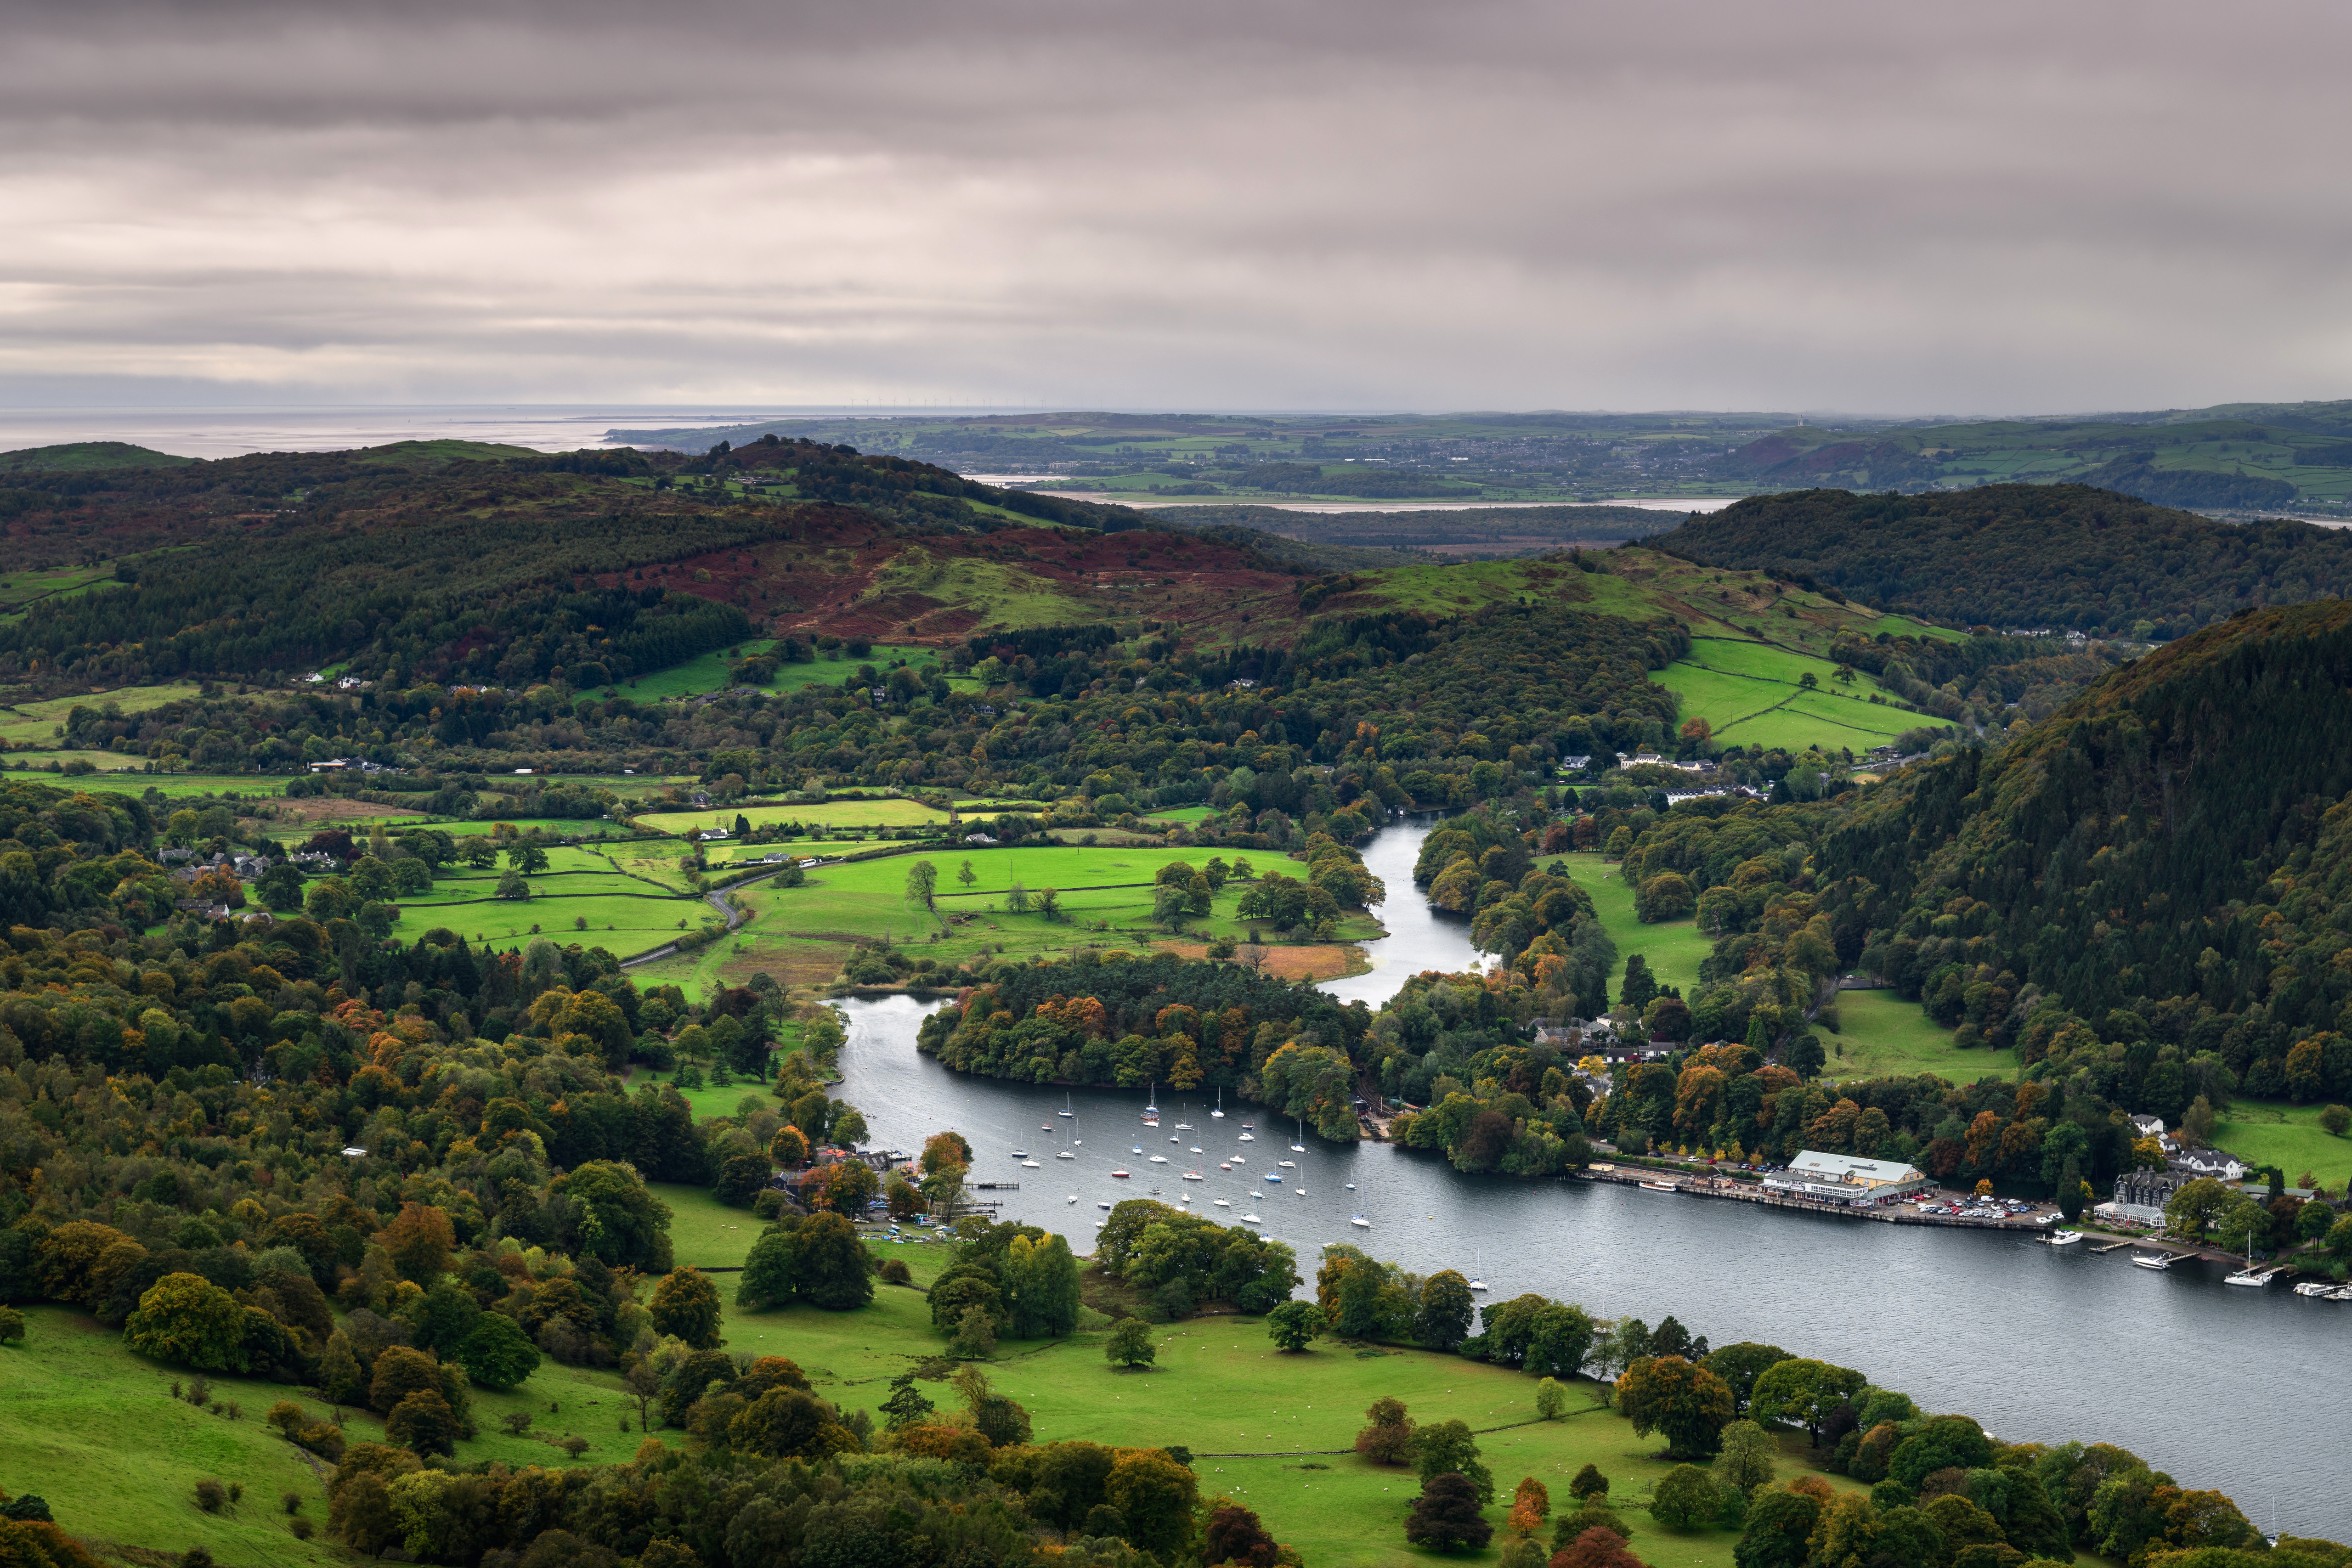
{"x":2038,"y":1344}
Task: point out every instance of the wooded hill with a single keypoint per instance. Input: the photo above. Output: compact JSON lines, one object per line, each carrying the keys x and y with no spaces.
{"x":2064,"y":556}
{"x":2167,"y":853}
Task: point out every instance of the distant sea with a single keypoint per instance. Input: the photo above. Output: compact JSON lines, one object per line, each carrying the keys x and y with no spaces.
{"x":230,"y":432}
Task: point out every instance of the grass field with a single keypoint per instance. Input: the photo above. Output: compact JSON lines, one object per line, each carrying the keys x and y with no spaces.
{"x":1750,"y":694}
{"x":38,"y":721}
{"x":1220,"y":1389}
{"x":708,"y":673}
{"x":827,"y":815}
{"x":802,"y":935}
{"x":2269,"y":1133}
{"x":1880,"y":1035}
{"x":1672,"y":949}
{"x":622,"y":912}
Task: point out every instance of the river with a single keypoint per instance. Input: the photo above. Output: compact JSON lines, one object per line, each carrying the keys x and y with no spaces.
{"x":2206,"y":1382}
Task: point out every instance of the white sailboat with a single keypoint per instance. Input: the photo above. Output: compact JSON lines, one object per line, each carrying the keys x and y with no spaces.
{"x":1478,"y":1271}
{"x":1181,"y":1126}
{"x":1359,"y":1222}
{"x":1066,"y":1109}
{"x":1219,"y":1114}
{"x":1066,"y":1154}
{"x":1151,"y":1099}
{"x":1298,"y":1148}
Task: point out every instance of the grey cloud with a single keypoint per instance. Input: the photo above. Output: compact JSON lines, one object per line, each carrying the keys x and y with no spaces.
{"x":2005,"y":207}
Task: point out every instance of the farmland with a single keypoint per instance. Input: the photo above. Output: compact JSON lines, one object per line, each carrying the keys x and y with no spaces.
{"x":821,"y":815}
{"x":1751,"y":693}
{"x":2267,"y":1133}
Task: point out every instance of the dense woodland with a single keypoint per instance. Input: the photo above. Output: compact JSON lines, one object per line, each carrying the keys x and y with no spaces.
{"x":2064,"y":556}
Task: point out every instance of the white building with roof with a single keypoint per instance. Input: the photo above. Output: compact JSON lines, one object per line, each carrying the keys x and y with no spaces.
{"x":1846,"y":1177}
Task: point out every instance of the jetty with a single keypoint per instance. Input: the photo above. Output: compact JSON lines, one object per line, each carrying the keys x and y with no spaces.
{"x":1724,"y":1187}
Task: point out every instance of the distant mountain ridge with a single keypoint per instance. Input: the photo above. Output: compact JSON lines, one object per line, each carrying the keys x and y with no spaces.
{"x":2064,"y":556}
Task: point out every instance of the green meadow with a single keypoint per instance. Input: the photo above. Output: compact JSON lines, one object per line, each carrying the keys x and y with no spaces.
{"x":826,"y":815}
{"x":709,"y":672}
{"x":2270,"y":1132}
{"x":1750,"y":694}
{"x":1674,"y":949}
{"x":622,"y":912}
{"x":1880,"y":1035}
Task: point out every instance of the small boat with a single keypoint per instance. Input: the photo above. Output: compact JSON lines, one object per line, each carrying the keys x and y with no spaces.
{"x":1478,"y":1271}
{"x":2342,"y":1294}
{"x":2063,"y":1238}
{"x":1102,"y":1205}
{"x":1660,"y":1186}
{"x":1194,"y":1176}
{"x":1195,"y":1149}
{"x":1359,"y":1222}
{"x":1181,"y":1197}
{"x":1029,"y":1164}
{"x":1174,"y":1139}
{"x":1297,"y":1148}
{"x":1160,"y":1159}
{"x":1247,"y":1125}
{"x":2315,"y":1287}
{"x":2247,"y":1277}
{"x":1220,"y":1111}
{"x":1225,"y":1166}
{"x":1247,"y":1139}
{"x":1182,"y":1126}
{"x":2159,"y":1262}
{"x":1074,"y":1198}
{"x":1221,"y":1203}
{"x":1151,"y":1100}
{"x":1019,"y":1154}
{"x":1066,"y":1109}
{"x":1120,"y":1175}
{"x":1066,"y":1154}
{"x":1252,"y":1219}
{"x":1270,"y":1176}
{"x":1287,"y":1164}
{"x":1351,"y":1186}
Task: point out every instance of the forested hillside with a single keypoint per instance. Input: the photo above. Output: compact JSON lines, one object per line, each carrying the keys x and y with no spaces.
{"x":2064,"y":556}
{"x":2166,"y":856}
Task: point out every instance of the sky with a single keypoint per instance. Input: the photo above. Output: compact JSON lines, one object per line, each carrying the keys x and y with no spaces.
{"x":1903,"y":210}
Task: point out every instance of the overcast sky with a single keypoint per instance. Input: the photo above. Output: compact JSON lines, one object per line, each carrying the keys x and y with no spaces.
{"x":1875,"y":208}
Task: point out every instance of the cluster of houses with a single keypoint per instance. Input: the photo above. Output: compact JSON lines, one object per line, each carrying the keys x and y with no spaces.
{"x":2141,"y":1194}
{"x":361,"y":765}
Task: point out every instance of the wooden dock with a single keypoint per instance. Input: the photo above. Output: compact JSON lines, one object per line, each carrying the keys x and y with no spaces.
{"x":1749,"y":1192}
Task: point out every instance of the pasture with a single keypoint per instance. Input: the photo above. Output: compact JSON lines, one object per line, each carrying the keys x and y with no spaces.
{"x":822,"y":815}
{"x":1880,"y":1035}
{"x":2272,"y":1133}
{"x":1750,"y":694}
{"x":1672,"y":949}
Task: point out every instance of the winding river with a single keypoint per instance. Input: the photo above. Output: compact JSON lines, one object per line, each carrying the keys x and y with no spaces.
{"x":2234,"y":1389}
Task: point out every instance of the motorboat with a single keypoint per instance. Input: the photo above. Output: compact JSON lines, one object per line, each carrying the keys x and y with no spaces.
{"x":1287,"y":1164}
{"x":2063,"y":1238}
{"x":1066,"y":1154}
{"x":1019,"y":1154}
{"x":2159,"y":1262}
{"x":1103,"y":1205}
{"x":1120,"y":1175}
{"x":1247,"y":1139}
{"x":1252,"y":1219}
{"x":1160,"y":1159}
{"x":1029,"y":1164}
{"x":1359,"y":1222}
{"x":1074,"y":1198}
{"x":2315,"y":1287}
{"x":1661,"y":1187}
{"x":1221,"y":1202}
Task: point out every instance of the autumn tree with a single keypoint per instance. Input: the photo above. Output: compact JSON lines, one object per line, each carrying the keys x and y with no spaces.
{"x":1596,"y":1548}
{"x":1531,"y":1506}
{"x":1388,"y":1436}
{"x":187,"y":1319}
{"x":686,"y":1305}
{"x":419,"y":1240}
{"x":1689,"y":1404}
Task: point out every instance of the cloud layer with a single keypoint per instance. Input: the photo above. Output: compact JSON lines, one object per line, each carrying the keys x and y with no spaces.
{"x":1999,"y":208}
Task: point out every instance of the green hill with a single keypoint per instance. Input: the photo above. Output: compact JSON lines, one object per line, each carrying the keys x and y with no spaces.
{"x":87,"y":456}
{"x":2064,"y":556}
{"x":2170,"y":854}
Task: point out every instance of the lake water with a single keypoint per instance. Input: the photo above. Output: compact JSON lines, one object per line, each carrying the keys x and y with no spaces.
{"x":2231,"y":1388}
